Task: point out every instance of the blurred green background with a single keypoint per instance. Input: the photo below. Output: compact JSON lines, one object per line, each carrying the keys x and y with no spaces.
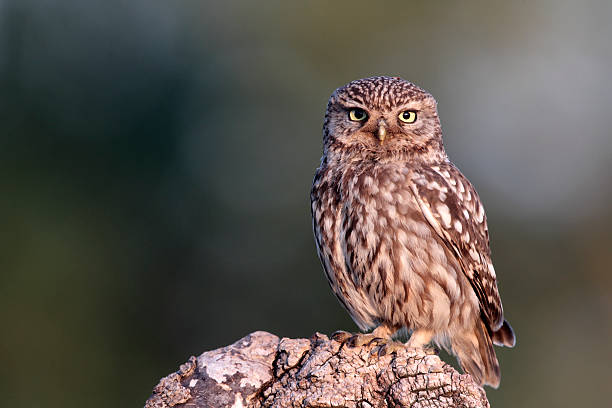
{"x":156,"y":159}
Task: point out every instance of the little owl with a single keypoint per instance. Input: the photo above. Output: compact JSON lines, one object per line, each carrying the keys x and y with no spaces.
{"x":401,"y":233}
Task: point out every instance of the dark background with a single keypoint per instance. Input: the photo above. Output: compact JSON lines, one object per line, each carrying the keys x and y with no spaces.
{"x":156,"y":159}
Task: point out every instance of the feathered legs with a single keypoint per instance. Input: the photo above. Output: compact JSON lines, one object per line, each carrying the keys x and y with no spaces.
{"x":420,"y":338}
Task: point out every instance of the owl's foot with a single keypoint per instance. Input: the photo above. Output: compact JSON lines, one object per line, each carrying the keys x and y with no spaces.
{"x":355,"y":339}
{"x":388,"y":347}
{"x":361,"y":339}
{"x":381,"y":334}
{"x":341,"y":336}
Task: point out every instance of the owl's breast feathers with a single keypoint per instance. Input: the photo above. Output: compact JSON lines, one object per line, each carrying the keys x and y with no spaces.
{"x":326,"y":208}
{"x":379,"y":228}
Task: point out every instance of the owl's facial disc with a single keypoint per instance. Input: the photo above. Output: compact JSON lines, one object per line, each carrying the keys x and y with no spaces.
{"x":384,"y":118}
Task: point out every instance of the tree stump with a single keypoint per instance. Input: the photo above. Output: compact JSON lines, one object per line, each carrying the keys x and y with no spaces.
{"x":261,"y":370}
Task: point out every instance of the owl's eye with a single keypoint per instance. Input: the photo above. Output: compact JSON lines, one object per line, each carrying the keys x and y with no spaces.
{"x":357,"y":115}
{"x":408,"y":116}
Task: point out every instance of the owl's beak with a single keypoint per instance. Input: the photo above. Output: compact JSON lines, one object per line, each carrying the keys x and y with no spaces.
{"x":382,"y":130}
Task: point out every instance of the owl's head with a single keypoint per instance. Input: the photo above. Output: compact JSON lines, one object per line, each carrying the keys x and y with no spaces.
{"x":383,"y":119}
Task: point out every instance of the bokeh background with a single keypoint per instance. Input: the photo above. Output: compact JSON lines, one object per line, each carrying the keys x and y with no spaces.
{"x":156,"y":159}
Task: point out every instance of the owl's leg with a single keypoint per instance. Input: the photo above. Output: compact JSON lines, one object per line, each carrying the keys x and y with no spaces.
{"x":420,"y":338}
{"x":384,"y":331}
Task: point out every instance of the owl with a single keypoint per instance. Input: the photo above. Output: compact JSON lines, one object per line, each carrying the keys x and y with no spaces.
{"x":401,"y":233}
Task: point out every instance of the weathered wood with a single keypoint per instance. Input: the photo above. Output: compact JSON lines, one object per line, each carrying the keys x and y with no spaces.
{"x":262,"y":370}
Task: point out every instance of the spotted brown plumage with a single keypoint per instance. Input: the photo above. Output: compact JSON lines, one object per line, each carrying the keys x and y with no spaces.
{"x":401,"y":233}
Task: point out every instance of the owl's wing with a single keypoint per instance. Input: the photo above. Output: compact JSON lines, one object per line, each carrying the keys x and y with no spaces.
{"x":451,"y":205}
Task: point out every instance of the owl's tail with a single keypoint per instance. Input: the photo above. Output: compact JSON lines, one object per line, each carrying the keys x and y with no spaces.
{"x":504,"y":336}
{"x":476,"y":355}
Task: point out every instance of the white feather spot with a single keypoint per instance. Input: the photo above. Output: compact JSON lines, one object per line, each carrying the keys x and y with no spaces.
{"x":458,"y":226}
{"x":480,"y":214}
{"x":444,"y":214}
{"x":327,"y":224}
{"x":466,"y":214}
{"x":492,"y":270}
{"x":474,"y":254}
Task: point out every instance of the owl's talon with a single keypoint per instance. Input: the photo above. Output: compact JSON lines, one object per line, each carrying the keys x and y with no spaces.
{"x":389,"y":347}
{"x":341,"y":336}
{"x":377,"y":341}
{"x":352,"y":341}
{"x":360,"y":339}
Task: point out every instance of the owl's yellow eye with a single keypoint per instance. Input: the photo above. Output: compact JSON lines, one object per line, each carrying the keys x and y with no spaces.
{"x":408,"y":116}
{"x":357,"y":115}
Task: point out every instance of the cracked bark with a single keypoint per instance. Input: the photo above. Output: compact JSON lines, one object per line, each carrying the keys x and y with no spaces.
{"x":261,"y":370}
